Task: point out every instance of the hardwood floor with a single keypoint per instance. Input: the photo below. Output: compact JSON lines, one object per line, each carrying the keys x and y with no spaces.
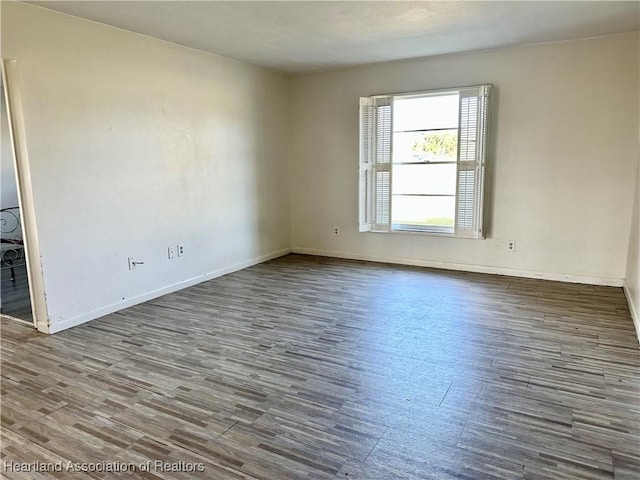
{"x":315,"y":368}
{"x":15,"y":293}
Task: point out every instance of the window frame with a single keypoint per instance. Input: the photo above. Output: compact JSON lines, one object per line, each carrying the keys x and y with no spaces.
{"x":473,"y":129}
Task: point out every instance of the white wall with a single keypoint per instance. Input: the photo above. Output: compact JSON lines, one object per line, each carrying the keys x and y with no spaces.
{"x":632,"y":279}
{"x":136,"y":144}
{"x":8,"y":190}
{"x":565,"y":129}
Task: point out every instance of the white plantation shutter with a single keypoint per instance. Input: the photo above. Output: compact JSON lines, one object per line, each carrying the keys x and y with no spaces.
{"x":376,"y":165}
{"x":382,"y":164}
{"x":483,"y":115}
{"x":365,"y":220}
{"x":376,"y":138}
{"x":472,"y":143}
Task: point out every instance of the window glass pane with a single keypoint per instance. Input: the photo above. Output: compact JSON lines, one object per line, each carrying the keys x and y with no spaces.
{"x":438,"y":146}
{"x":420,"y":113}
{"x":427,"y":211}
{"x":434,"y":179}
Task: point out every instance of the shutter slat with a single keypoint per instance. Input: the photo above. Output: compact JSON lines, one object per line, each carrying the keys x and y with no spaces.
{"x":365,"y":193}
{"x":383,"y":134}
{"x":465,"y":195}
{"x":383,"y":197}
{"x":483,"y":115}
{"x":472,"y":136}
{"x":382,"y":164}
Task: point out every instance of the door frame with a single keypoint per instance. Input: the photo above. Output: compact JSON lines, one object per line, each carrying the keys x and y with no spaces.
{"x":15,"y":117}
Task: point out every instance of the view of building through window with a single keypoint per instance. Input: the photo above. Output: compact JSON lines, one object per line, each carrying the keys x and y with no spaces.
{"x":425,"y":142}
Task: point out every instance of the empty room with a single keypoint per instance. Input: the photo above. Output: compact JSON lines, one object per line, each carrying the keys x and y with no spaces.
{"x":320,"y":240}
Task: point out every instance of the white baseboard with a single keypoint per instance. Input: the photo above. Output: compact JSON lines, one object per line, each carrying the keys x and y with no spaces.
{"x":632,"y":309}
{"x":54,"y":327}
{"x":100,"y":312}
{"x":558,"y":277}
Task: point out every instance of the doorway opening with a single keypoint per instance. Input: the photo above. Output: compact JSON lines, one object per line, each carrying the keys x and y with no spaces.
{"x":15,"y":291}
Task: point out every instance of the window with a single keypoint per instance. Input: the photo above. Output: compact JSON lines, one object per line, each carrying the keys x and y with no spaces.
{"x":422,"y":161}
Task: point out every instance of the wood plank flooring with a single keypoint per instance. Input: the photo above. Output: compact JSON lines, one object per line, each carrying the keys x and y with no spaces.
{"x":15,"y":293}
{"x":315,"y":368}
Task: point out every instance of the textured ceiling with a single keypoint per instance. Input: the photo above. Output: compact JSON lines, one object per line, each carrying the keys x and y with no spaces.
{"x":301,"y":36}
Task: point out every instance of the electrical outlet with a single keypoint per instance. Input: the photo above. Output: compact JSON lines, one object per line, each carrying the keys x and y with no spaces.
{"x":511,"y":245}
{"x":336,"y":231}
{"x":180,"y":249}
{"x":171,"y":252}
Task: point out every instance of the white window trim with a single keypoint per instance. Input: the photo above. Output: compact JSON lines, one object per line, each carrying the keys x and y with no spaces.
{"x":473,"y":126}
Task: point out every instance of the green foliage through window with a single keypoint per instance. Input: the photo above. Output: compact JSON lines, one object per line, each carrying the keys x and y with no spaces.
{"x":438,"y":144}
